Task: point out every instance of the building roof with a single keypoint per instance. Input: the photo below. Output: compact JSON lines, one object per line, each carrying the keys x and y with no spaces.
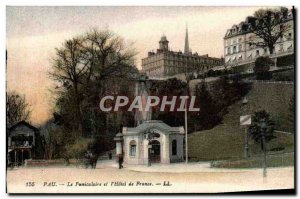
{"x":163,"y":39}
{"x":245,"y":26}
{"x":157,"y":124}
{"x":11,"y":128}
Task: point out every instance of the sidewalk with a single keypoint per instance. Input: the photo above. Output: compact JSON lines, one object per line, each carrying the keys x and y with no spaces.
{"x":193,"y":167}
{"x":171,"y":168}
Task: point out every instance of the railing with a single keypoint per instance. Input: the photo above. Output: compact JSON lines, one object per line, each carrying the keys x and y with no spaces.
{"x":283,"y":132}
{"x":269,"y":82}
{"x":19,"y":146}
{"x":158,"y":78}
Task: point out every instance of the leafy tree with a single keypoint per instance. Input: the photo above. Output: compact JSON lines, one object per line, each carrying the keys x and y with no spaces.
{"x":226,"y":91}
{"x":17,"y":109}
{"x":256,"y":130}
{"x":207,"y":117}
{"x":262,"y":64}
{"x":171,"y":87}
{"x":210,"y":73}
{"x":269,"y":26}
{"x":214,"y":98}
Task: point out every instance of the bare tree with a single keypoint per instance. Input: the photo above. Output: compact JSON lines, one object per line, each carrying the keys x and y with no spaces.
{"x":17,"y":109}
{"x":269,"y":26}
{"x":112,"y":61}
{"x":82,"y":69}
{"x":53,"y":139}
{"x":109,"y":54}
{"x":69,"y":68}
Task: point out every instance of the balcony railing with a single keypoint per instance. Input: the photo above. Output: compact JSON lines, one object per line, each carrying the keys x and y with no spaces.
{"x":251,"y":59}
{"x":20,"y":145}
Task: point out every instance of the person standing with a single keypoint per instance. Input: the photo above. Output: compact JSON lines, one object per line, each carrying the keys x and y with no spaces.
{"x":120,"y":161}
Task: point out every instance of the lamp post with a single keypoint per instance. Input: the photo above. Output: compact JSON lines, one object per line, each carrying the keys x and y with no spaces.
{"x":263,"y":126}
{"x":246,"y":150}
{"x":275,"y":58}
{"x":119,"y":146}
{"x":22,"y":161}
{"x":149,"y":137}
{"x":149,"y":153}
{"x":16,"y":164}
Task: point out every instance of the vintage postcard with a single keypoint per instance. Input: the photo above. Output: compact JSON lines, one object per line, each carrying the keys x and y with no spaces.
{"x":150,"y":99}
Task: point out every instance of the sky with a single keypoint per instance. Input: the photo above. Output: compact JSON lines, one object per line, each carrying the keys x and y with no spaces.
{"x":33,"y":33}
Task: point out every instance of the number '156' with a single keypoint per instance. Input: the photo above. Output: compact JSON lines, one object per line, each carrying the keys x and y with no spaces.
{"x":29,"y":184}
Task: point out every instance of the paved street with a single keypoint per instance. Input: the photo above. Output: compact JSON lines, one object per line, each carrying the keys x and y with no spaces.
{"x":106,"y":178}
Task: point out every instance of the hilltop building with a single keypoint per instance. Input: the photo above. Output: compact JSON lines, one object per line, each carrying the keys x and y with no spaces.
{"x":165,"y":62}
{"x":237,"y":43}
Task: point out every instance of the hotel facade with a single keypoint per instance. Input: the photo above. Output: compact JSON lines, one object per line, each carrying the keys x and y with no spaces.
{"x":165,"y":62}
{"x":237,"y":43}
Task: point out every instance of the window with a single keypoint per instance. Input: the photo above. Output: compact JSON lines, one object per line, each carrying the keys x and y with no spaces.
{"x":281,"y":48}
{"x":132,"y":148}
{"x":228,"y":50}
{"x":281,"y":26}
{"x":240,"y":48}
{"x":248,"y":46}
{"x":234,"y":49}
{"x":174,"y":147}
{"x":257,"y":52}
{"x":22,"y":140}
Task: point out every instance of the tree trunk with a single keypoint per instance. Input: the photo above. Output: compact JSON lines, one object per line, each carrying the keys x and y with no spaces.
{"x":262,"y":144}
{"x":78,"y":109}
{"x":271,"y":49}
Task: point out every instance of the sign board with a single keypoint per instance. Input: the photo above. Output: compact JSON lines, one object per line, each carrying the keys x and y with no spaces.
{"x":245,"y":120}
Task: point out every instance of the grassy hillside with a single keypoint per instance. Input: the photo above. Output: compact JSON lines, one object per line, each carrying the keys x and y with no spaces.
{"x":275,"y":160}
{"x":226,"y":141}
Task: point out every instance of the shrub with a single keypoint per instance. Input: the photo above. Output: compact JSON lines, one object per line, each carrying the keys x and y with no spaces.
{"x":284,"y":76}
{"x":210,"y":73}
{"x":77,"y":149}
{"x":262,"y":67}
{"x":286,"y":60}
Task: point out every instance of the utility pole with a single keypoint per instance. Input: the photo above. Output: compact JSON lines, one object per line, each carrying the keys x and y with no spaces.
{"x":265,"y":157}
{"x":246,"y":151}
{"x":185,"y":115}
{"x":263,"y":129}
{"x":186,"y":135}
